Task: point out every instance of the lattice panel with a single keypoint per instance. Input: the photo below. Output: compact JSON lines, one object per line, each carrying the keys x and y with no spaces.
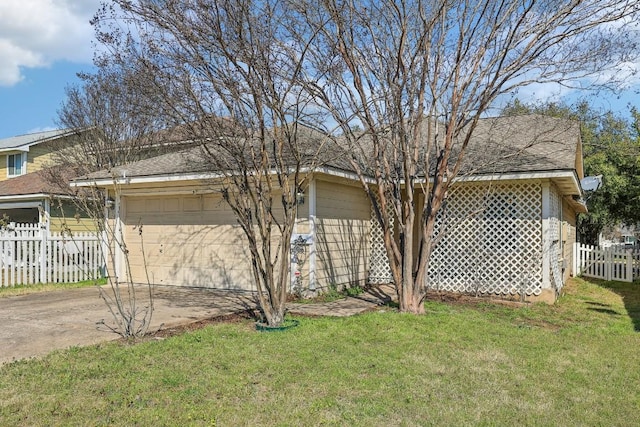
{"x":492,"y":243}
{"x":379,"y":270}
{"x":554,"y":235}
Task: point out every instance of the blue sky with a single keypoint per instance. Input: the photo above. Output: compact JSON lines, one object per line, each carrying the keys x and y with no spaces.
{"x":31,"y":105}
{"x":44,"y":43}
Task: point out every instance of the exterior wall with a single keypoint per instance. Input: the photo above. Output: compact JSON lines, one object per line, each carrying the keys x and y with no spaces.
{"x":568,"y":238}
{"x":83,"y":225}
{"x":65,"y":216}
{"x":492,"y":242}
{"x":342,"y":234}
{"x":3,"y":165}
{"x":38,"y":157}
{"x":552,"y":249}
{"x":186,"y":240}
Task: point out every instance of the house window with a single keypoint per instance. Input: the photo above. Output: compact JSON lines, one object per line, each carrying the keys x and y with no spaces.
{"x":15,"y":164}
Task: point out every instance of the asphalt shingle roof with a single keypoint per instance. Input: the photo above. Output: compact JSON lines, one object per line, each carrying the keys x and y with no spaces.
{"x":525,"y":143}
{"x":31,"y":183}
{"x":27,"y":140}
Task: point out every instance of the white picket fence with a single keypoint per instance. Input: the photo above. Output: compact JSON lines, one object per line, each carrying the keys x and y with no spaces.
{"x":29,"y":254}
{"x":608,"y":264}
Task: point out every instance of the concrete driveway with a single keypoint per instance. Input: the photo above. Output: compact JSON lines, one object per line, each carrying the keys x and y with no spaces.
{"x":36,"y":324}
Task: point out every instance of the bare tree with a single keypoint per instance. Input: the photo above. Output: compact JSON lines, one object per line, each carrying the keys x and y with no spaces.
{"x":226,"y":74}
{"x":414,"y":75}
{"x":417,"y":75}
{"x":112,"y":126}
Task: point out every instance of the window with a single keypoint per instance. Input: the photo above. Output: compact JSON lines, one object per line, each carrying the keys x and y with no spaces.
{"x":15,"y":164}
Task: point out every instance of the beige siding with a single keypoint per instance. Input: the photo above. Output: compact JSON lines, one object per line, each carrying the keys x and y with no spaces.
{"x":187,"y":240}
{"x":342,"y":234}
{"x":3,"y":167}
{"x":75,"y":225}
{"x":39,"y":157}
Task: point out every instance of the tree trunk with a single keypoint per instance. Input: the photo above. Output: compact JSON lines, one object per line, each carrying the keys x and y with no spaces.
{"x":412,"y":299}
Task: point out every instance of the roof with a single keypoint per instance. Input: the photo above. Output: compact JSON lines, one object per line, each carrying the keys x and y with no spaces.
{"x":179,"y":162}
{"x":22,"y":142}
{"x":504,"y":145}
{"x":525,"y":143}
{"x":34,"y":183}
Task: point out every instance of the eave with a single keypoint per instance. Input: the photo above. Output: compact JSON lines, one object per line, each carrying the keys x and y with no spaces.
{"x":566,"y":180}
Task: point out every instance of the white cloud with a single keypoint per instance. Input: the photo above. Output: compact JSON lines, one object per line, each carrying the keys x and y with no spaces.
{"x":36,"y":33}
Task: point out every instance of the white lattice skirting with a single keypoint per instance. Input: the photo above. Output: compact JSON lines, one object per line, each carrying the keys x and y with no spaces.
{"x":492,"y":242}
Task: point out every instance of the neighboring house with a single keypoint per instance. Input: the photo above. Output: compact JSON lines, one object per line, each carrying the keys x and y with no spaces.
{"x":23,"y":154}
{"x":26,"y":196}
{"x":619,"y":236}
{"x":509,"y":219}
{"x":32,"y":199}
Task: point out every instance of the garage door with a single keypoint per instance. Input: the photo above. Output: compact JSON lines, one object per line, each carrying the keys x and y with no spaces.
{"x":187,"y":241}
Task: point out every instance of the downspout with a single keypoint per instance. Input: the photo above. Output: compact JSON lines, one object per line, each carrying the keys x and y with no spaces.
{"x":561,"y":241}
{"x":546,"y":235}
{"x":105,"y":237}
{"x":118,"y":240}
{"x":312,"y":234}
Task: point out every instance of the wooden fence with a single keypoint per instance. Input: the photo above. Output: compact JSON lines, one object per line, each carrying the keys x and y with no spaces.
{"x":613,"y":263}
{"x":29,"y":254}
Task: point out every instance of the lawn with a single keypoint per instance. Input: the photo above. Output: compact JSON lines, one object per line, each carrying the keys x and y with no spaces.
{"x":575,"y":363}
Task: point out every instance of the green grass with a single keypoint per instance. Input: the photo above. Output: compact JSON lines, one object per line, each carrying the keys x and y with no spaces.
{"x":45,"y":287}
{"x":575,"y":363}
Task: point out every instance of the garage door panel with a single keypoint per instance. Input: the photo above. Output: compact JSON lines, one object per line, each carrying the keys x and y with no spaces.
{"x":218,"y":278}
{"x":164,"y":275}
{"x":192,"y":204}
{"x":214,"y":203}
{"x":186,"y":244}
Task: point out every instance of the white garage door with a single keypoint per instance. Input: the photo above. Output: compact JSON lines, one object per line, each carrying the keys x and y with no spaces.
{"x":186,"y":240}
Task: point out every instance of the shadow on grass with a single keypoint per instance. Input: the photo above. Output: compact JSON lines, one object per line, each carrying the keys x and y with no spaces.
{"x":605,"y":311}
{"x":630,"y":293}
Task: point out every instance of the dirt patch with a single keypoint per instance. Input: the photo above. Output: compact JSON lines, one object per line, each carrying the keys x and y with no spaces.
{"x":177,"y":330}
{"x":450,"y":298}
{"x":464,"y":299}
{"x":161,"y":334}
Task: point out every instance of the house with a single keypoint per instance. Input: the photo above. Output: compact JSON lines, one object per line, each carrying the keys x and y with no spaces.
{"x":509,"y":218}
{"x":26,"y":195}
{"x":32,"y":152}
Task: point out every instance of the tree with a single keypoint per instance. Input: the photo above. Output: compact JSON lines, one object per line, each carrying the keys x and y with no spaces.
{"x":417,"y":76}
{"x":110,"y":130}
{"x":611,"y":148}
{"x":225,"y":74}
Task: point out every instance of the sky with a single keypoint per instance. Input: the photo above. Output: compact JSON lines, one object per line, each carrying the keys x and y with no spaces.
{"x":44,"y":43}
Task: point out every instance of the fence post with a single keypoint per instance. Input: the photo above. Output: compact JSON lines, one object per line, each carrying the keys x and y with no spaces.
{"x":576,"y":263}
{"x":43,"y":254}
